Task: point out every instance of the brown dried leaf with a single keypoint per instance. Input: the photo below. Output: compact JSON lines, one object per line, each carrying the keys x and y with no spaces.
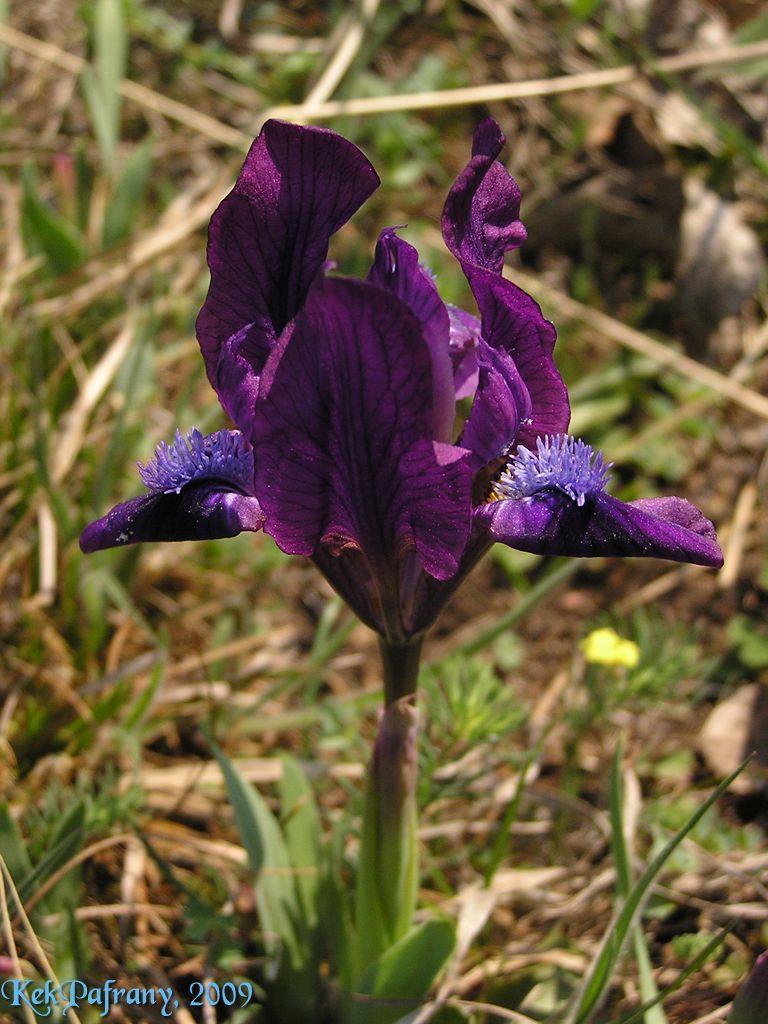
{"x":735,"y":728}
{"x":720,"y":265}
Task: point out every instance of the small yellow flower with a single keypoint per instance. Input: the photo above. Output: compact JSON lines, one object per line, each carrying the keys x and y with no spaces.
{"x":606,"y":647}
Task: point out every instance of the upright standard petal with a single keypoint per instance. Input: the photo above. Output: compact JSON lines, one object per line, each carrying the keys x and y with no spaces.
{"x":268,"y":241}
{"x":200,"y":488}
{"x":481,"y":221}
{"x":481,"y":216}
{"x":513,"y":323}
{"x":396,"y":268}
{"x":344,"y":433}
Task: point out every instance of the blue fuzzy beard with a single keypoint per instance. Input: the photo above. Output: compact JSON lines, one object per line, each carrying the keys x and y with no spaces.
{"x":224,"y":455}
{"x":560,"y":462}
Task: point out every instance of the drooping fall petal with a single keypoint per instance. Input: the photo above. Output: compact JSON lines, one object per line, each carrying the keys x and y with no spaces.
{"x":553,"y":523}
{"x":200,"y":488}
{"x":201,"y":512}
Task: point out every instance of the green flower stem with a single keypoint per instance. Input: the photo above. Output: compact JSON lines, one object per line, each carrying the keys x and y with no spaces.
{"x":387,"y":881}
{"x":400,"y":664}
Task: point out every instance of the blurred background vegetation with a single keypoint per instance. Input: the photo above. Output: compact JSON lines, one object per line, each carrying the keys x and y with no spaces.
{"x":646,"y":198}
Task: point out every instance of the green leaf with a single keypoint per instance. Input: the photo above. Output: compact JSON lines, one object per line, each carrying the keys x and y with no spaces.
{"x":583,"y":9}
{"x":83,"y":188}
{"x":12,"y":848}
{"x":752,"y":31}
{"x":127,"y":199}
{"x":301,"y":832}
{"x":46,"y":231}
{"x":259,"y":830}
{"x":335,"y":909}
{"x":693,"y":968}
{"x":750,"y":642}
{"x":110,"y":46}
{"x":402,"y":976}
{"x":101,"y":120}
{"x":296,"y":983}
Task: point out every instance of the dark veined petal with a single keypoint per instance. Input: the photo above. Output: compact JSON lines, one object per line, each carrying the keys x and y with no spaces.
{"x":481,"y":216}
{"x":200,"y":488}
{"x":513,"y":322}
{"x":344,"y":432}
{"x":268,"y":241}
{"x":201,"y":511}
{"x":480,"y":223}
{"x":396,"y":268}
{"x":501,"y":406}
{"x":553,"y":523}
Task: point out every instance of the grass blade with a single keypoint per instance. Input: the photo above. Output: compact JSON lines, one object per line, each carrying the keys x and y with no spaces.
{"x":648,"y":988}
{"x":499,"y":847}
{"x":67,"y":841}
{"x":128,"y":198}
{"x":101,"y":81}
{"x":602,"y":969}
{"x":699,"y":960}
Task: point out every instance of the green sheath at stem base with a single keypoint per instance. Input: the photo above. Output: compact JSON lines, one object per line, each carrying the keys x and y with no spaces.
{"x":387,"y":879}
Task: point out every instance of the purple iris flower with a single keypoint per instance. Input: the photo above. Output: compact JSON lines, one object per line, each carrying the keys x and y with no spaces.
{"x":751,"y":1003}
{"x":344,"y":392}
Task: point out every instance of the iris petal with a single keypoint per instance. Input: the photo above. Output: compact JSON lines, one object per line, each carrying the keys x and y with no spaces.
{"x":513,"y":322}
{"x":481,"y":217}
{"x":201,"y":487}
{"x":396,"y":268}
{"x":481,"y":221}
{"x":268,"y":241}
{"x":464,"y":338}
{"x":501,"y":406}
{"x":552,"y":523}
{"x":201,"y":511}
{"x":345,"y":437}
